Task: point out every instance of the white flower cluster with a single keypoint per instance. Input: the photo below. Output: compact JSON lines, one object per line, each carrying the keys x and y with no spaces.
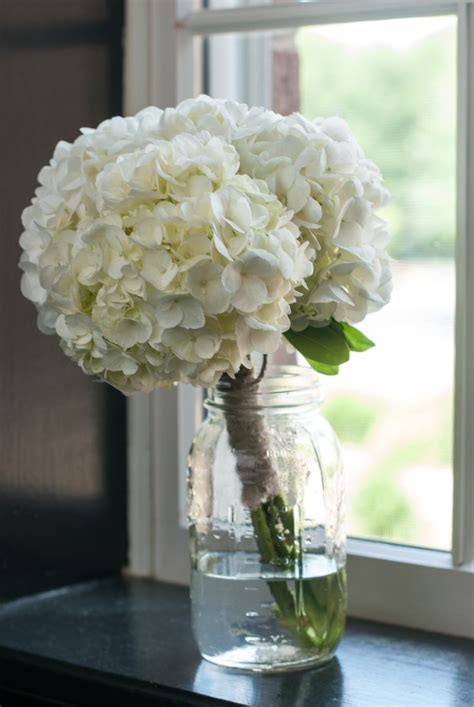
{"x":171,"y":245}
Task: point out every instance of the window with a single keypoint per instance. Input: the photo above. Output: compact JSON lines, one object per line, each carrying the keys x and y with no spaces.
{"x":404,"y":410}
{"x":392,"y":407}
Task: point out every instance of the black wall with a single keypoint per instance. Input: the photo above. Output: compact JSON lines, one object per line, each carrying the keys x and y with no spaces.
{"x":62,"y":436}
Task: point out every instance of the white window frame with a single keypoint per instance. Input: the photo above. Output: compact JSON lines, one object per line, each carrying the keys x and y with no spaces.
{"x":422,"y":588}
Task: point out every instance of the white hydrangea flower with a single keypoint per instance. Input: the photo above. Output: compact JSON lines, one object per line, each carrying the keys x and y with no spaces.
{"x":171,"y":245}
{"x":206,"y":285}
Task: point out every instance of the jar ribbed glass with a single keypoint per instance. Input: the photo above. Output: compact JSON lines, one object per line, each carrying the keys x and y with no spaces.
{"x":266,"y":526}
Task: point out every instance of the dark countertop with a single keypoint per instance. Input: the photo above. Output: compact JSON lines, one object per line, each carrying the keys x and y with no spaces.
{"x":126,"y":641}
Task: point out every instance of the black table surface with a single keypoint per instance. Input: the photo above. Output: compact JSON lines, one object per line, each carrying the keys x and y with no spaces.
{"x":124,"y":641}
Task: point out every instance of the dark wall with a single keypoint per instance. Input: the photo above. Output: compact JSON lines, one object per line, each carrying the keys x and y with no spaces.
{"x":62,"y":436}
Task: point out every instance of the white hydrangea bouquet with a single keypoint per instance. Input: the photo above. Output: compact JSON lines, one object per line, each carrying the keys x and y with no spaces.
{"x":171,"y":246}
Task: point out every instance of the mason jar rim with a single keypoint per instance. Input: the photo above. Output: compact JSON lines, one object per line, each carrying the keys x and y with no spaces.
{"x":281,"y":387}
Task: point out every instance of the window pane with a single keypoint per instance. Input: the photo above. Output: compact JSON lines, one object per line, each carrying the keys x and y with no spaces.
{"x":394,"y":81}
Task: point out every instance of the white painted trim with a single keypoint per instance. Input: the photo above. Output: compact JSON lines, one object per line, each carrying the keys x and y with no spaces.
{"x":137,"y":95}
{"x":432,"y":598}
{"x":190,"y":414}
{"x":168,"y":539}
{"x":257,"y":70}
{"x":377,"y":550}
{"x":243,"y":72}
{"x":150,"y":45}
{"x":140,"y":482}
{"x":160,"y":69}
{"x":265,"y":17}
{"x":136,"y":64}
{"x":224,"y":79}
{"x":188,"y":55}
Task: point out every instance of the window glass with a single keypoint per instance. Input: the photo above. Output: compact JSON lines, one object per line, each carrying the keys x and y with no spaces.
{"x":394,"y":81}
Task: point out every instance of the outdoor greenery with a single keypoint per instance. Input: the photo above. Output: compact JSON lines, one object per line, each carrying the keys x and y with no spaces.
{"x":401,"y":105}
{"x":380,"y":508}
{"x":383,"y":511}
{"x":353,"y":418}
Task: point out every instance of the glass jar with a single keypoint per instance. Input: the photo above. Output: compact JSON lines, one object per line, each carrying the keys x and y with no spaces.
{"x":267,"y":543}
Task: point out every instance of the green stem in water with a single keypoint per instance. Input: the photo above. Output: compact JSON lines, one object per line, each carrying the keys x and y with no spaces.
{"x":306,"y":614}
{"x":284,"y":598}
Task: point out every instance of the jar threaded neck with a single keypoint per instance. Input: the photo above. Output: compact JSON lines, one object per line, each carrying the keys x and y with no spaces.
{"x":281,"y":387}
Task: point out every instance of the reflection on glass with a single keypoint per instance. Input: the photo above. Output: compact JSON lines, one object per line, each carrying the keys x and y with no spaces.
{"x":283,"y":690}
{"x":394,"y":81}
{"x":208,"y":681}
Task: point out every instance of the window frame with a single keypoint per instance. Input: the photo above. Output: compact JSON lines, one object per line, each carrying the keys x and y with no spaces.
{"x":417,"y":587}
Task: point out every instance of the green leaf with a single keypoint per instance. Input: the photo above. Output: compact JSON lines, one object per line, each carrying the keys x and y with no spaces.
{"x":356,"y":340}
{"x":320,"y":344}
{"x":323,"y":368}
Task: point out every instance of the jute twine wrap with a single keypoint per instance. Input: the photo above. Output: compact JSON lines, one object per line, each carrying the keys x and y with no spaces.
{"x":249,"y":437}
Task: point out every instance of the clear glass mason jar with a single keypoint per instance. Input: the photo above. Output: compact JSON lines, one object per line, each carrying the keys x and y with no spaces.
{"x":266,"y":526}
